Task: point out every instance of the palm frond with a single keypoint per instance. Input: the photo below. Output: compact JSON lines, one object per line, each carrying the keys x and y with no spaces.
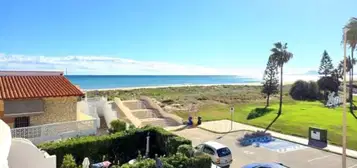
{"x":285,"y":46}
{"x":279,"y":54}
{"x":275,"y":50}
{"x":351,"y":34}
{"x":287,"y":56}
{"x":278,"y":45}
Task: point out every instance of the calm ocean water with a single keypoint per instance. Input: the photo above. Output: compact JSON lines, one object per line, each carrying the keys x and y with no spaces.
{"x":124,"y":81}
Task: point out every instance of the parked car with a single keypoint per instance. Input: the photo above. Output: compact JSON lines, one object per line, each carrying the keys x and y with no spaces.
{"x":221,"y":155}
{"x":265,"y":165}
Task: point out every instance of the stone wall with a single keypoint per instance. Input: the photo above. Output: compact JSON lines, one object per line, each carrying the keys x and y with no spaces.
{"x":56,"y":109}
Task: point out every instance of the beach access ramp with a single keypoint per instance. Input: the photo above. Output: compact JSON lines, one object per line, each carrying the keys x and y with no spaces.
{"x":144,"y":112}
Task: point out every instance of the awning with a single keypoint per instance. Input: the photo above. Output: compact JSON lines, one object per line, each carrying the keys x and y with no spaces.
{"x":15,"y":108}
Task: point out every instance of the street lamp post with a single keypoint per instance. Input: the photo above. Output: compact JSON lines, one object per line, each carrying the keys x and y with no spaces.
{"x":344,"y":120}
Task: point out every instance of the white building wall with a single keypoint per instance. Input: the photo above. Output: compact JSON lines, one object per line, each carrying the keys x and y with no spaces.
{"x":24,"y":154}
{"x":5,"y":143}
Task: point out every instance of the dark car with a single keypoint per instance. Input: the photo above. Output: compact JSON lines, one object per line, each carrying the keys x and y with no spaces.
{"x":265,"y":165}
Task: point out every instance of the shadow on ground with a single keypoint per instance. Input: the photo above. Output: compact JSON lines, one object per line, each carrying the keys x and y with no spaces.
{"x":258,"y":112}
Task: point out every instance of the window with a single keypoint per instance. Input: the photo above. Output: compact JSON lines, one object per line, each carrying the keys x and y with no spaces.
{"x":22,"y":122}
{"x":208,"y":150}
{"x":223,"y":152}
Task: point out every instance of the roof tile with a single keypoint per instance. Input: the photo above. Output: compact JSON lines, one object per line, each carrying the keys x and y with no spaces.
{"x":24,"y":87}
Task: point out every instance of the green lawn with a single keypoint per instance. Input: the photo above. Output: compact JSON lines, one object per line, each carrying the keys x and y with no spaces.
{"x":214,"y":103}
{"x":297,"y":117}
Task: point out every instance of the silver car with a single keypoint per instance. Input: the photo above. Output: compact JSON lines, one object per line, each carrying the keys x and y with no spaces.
{"x":220,"y":154}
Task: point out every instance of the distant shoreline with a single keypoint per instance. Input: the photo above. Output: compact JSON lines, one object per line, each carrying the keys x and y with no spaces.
{"x":288,"y":80}
{"x":166,"y":86}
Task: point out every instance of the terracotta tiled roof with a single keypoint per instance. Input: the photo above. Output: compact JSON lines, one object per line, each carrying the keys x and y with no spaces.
{"x":24,"y":87}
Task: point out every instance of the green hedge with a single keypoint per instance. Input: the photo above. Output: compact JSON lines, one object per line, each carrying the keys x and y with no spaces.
{"x":117,"y":126}
{"x":121,"y":146}
{"x":178,"y":160}
{"x":187,"y":150}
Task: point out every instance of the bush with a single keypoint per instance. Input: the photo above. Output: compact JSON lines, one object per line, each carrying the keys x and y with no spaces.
{"x":186,"y":150}
{"x":181,"y":161}
{"x":131,"y":126}
{"x":175,"y":161}
{"x":302,"y":90}
{"x":68,"y":162}
{"x":117,"y":126}
{"x":201,"y":161}
{"x":118,"y":146}
{"x":313,"y":91}
{"x":328,"y":83}
{"x":146,"y":163}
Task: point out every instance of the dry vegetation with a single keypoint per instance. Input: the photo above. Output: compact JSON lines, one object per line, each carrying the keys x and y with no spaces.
{"x":182,"y":97}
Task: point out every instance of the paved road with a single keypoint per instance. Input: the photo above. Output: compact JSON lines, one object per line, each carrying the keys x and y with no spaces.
{"x":292,"y":155}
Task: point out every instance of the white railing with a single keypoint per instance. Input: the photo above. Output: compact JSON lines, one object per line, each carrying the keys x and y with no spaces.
{"x":56,"y":131}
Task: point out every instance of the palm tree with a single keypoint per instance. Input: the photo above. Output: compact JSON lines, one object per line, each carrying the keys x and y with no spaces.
{"x":281,"y":56}
{"x":351,"y":38}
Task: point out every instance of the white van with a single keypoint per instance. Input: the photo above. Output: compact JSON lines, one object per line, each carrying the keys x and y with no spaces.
{"x":220,"y":154}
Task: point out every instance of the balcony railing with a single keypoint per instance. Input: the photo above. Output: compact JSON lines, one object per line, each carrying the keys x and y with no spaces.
{"x":56,"y":131}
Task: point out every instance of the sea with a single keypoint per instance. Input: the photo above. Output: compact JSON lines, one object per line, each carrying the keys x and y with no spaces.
{"x":93,"y":82}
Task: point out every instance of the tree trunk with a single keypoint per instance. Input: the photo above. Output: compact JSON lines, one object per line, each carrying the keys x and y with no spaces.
{"x":281,"y":90}
{"x":267,"y":105}
{"x":351,"y":81}
{"x":350,"y":89}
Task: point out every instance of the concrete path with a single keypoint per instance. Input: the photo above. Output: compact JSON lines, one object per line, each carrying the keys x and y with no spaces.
{"x":224,"y":126}
{"x":175,"y":128}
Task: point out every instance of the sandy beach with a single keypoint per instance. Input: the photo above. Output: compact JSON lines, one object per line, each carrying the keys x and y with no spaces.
{"x":289,"y":79}
{"x":165,"y":86}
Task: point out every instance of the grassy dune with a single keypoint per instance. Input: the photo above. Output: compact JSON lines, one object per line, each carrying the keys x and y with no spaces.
{"x":193,"y":94}
{"x":214,"y":103}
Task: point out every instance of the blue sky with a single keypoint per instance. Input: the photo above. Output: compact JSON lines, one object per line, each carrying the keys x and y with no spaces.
{"x":168,"y":36}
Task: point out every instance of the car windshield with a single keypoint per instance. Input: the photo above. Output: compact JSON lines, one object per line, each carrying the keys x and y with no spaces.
{"x":223,"y":152}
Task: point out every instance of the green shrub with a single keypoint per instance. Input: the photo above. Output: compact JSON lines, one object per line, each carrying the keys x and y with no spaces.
{"x":146,"y":163}
{"x":187,"y":150}
{"x":132,"y":126}
{"x":175,"y":161}
{"x":313,"y":92}
{"x":178,"y":160}
{"x":302,"y":90}
{"x":328,"y":83}
{"x":201,"y":161}
{"x":121,"y":146}
{"x":117,"y":126}
{"x":68,"y":162}
{"x":181,"y":161}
